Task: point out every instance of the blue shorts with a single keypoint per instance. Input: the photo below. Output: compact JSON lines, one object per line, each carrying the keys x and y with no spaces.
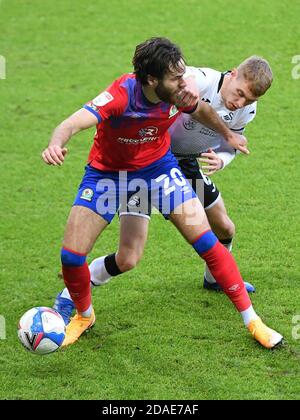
{"x":161,"y":184}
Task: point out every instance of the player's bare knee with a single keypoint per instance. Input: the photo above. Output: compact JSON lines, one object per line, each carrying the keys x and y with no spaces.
{"x":227,"y":227}
{"x":127,"y":262}
{"x":83,"y":228}
{"x":126,"y":265}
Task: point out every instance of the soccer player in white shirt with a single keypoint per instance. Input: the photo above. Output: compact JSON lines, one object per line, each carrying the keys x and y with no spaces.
{"x":233,"y":94}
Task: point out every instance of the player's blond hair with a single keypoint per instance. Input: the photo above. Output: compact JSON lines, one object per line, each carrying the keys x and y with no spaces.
{"x":257,"y":71}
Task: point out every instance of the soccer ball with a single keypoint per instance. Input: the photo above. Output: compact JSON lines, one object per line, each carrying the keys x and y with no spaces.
{"x":41,"y":330}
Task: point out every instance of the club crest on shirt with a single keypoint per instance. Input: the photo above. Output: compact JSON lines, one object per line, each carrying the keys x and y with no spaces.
{"x":228,"y":117}
{"x":173,"y":111}
{"x":190,"y":124}
{"x":102,"y":99}
{"x":87,"y":194}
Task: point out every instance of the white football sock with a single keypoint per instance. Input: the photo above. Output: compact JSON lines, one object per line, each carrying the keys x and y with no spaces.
{"x":99,"y":275}
{"x":249,"y":315}
{"x":208,"y":276}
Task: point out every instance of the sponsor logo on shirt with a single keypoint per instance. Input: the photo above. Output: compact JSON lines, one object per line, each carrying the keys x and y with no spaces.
{"x":137,"y":141}
{"x":147,"y":136}
{"x":102,"y":99}
{"x":148,"y":131}
{"x":208,"y":132}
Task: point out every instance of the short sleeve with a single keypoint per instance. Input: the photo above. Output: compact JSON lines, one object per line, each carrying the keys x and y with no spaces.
{"x":111,"y":102}
{"x":202,"y":78}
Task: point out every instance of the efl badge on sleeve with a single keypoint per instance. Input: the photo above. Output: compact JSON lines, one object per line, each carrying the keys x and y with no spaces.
{"x":103,"y":99}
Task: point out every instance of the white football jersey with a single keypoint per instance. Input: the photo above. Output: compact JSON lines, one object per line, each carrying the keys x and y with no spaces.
{"x":190,"y":137}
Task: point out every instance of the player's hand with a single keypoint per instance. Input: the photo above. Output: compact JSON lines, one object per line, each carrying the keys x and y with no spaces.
{"x":210,"y":162}
{"x":189,"y":95}
{"x":54,"y":155}
{"x":238,"y":142}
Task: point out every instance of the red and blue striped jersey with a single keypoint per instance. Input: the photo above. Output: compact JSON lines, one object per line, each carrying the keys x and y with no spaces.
{"x":132,"y":132}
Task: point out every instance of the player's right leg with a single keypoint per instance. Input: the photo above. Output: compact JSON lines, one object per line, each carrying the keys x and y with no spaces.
{"x":133,"y":237}
{"x":95,"y":205}
{"x":83,"y":228}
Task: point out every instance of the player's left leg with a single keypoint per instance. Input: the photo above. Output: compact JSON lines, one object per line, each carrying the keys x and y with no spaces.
{"x":224,"y":228}
{"x":178,"y":202}
{"x":210,"y":198}
{"x":133,"y":237}
{"x":191,"y":221}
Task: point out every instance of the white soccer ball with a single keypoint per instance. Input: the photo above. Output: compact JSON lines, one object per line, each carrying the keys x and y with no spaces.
{"x":41,"y":330}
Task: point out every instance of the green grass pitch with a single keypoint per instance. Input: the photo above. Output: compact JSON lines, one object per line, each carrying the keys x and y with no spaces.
{"x":159,"y":335}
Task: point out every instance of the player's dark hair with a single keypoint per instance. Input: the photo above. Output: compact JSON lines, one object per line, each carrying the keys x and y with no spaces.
{"x":156,"y":57}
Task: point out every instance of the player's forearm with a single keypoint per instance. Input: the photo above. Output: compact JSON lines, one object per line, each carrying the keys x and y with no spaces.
{"x":62,"y":134}
{"x":209,"y":117}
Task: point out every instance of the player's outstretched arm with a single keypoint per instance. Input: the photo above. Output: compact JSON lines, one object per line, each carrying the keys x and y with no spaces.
{"x":55,"y":153}
{"x":209,"y":117}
